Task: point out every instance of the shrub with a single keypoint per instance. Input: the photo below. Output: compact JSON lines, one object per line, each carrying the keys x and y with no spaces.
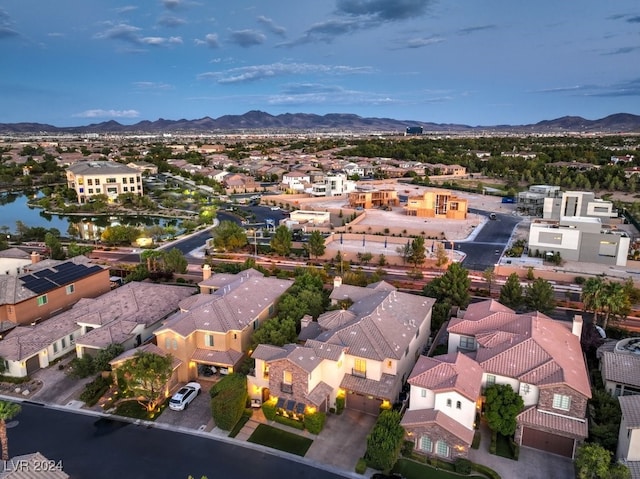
{"x":12,"y":380}
{"x":287,"y":421}
{"x":384,"y":441}
{"x":490,"y":473}
{"x":340,"y":401}
{"x":477,"y":436}
{"x":462,"y":466}
{"x":314,"y":423}
{"x":361,"y":466}
{"x":229,"y":401}
{"x":82,"y":367}
{"x":269,"y":410}
{"x":407,"y":448}
{"x":95,"y":389}
{"x":579,"y":280}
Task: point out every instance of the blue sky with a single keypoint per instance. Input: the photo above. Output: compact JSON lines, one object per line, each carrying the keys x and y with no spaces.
{"x":74,"y":62}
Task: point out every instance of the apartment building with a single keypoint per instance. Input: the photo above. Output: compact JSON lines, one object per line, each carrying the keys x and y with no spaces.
{"x":90,"y":178}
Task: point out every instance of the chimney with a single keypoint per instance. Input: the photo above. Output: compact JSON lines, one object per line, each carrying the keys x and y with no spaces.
{"x":576,"y":327}
{"x":305,"y":321}
{"x":337,"y":281}
{"x":206,"y":272}
{"x":35,"y":257}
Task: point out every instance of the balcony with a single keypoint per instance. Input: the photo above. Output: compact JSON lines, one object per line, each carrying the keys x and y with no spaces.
{"x":358,"y":373}
{"x":286,"y":388}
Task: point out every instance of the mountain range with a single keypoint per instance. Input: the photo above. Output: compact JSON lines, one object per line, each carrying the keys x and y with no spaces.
{"x":259,"y":121}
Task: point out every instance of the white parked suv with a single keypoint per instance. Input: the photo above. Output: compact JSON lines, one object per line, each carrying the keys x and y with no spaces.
{"x":184,"y":396}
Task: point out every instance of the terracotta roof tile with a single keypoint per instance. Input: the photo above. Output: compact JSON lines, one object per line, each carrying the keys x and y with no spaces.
{"x":562,"y":425}
{"x":621,"y":368}
{"x":381,"y":389}
{"x":630,"y":406}
{"x":426,"y":416}
{"x":448,"y":372}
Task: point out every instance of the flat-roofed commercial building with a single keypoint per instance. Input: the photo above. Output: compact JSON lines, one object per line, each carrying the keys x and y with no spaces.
{"x":109,"y":178}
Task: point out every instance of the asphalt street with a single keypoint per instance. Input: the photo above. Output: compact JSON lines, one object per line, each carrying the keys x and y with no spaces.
{"x":96,"y":448}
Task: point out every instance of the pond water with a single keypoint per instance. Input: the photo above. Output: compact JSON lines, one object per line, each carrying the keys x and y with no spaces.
{"x":14,"y":207}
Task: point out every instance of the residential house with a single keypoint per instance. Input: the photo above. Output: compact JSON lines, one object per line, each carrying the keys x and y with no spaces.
{"x":215,"y":329}
{"x":577,"y":238}
{"x":374,"y":199}
{"x":295,"y":181}
{"x":538,"y":357}
{"x":577,"y":204}
{"x":531,"y":202}
{"x":13,"y":261}
{"x":447,"y":170}
{"x":628,"y":450}
{"x":615,"y":159}
{"x":239,"y":183}
{"x":620,"y":367}
{"x":126,"y":315}
{"x":144,"y":167}
{"x":333,"y":184}
{"x":48,"y":287}
{"x":91,"y":178}
{"x":437,"y":204}
{"x":363,"y":354}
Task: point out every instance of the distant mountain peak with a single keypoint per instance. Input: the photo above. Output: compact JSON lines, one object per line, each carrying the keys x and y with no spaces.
{"x":346,"y":122}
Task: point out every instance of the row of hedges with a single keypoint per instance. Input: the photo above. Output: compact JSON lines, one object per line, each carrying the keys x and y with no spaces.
{"x":312,"y":422}
{"x":95,"y":389}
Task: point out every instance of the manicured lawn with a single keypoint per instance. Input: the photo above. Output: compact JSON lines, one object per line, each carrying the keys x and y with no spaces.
{"x":415,"y":470}
{"x":282,"y":440}
{"x":135,"y":410}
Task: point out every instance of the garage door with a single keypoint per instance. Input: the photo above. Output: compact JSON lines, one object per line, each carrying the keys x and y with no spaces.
{"x":563,"y":446}
{"x":366,"y":404}
{"x":33,"y":364}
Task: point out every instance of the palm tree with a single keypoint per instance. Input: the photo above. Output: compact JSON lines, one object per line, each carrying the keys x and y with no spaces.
{"x":593,"y":292}
{"x":8,"y":410}
{"x":615,"y":303}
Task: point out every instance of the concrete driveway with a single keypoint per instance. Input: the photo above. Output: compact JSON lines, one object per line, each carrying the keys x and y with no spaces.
{"x":196,"y":416}
{"x":531,"y":463}
{"x":343,"y":440}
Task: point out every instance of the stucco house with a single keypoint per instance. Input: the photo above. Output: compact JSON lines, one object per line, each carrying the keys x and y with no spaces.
{"x":628,"y":450}
{"x":214,"y":328}
{"x":13,"y":261}
{"x":363,"y":354}
{"x":126,"y":316}
{"x":620,"y":367}
{"x":538,"y":357}
{"x":48,"y":287}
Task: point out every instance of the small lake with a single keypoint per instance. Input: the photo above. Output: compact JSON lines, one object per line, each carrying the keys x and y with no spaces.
{"x":14,"y":207}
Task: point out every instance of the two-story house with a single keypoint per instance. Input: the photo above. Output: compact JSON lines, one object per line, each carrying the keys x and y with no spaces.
{"x":215,"y":329}
{"x":48,"y":287}
{"x":363,"y":354}
{"x":538,"y":357}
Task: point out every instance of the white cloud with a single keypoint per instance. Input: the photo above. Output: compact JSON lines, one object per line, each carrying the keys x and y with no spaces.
{"x":99,"y":113}
{"x":210,"y":40}
{"x":152,"y":86}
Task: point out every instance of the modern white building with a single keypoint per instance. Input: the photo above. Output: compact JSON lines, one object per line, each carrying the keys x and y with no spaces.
{"x":91,"y":178}
{"x":532,"y":201}
{"x":577,"y":204}
{"x":335,"y":184}
{"x":579,"y":238}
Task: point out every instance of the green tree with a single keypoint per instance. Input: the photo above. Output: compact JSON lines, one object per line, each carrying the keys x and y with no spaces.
{"x":119,"y":234}
{"x":454,"y":285}
{"x":55,"y":247}
{"x":502,"y":406}
{"x":8,"y":410}
{"x":619,"y":471}
{"x":511,"y":294}
{"x":442,"y":258}
{"x":315,"y":244}
{"x":229,"y":236}
{"x":281,"y":241}
{"x":384,"y":441}
{"x":592,"y":461}
{"x":404,"y":252}
{"x":74,"y":249}
{"x":175,"y":262}
{"x":417,"y":255}
{"x":539,"y":296}
{"x":489,"y":276}
{"x":145,"y":378}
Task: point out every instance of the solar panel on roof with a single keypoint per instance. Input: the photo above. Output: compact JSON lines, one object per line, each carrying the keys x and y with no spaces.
{"x":40,"y":286}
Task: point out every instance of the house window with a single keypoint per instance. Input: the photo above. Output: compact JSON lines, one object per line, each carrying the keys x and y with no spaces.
{"x":265,"y":371}
{"x":55,"y":347}
{"x":167,"y":343}
{"x":271,"y":309}
{"x":111,"y":180}
{"x":42,"y":300}
{"x":70,"y":289}
{"x":360,"y":368}
{"x":389,"y":363}
{"x":64,"y":343}
{"x":467,"y":343}
{"x":235,"y":336}
{"x":287,"y":382}
{"x":491,"y":379}
{"x":90,"y":182}
{"x":423,"y":393}
{"x":209,"y":340}
{"x":442,"y":449}
{"x":458,"y":405}
{"x":449,"y":402}
{"x":561,"y":401}
{"x":97,"y":182}
{"x":98,"y":190}
{"x":126,"y":188}
{"x":131,"y":180}
{"x":174,"y":343}
{"x":425,"y":444}
{"x":90,"y":191}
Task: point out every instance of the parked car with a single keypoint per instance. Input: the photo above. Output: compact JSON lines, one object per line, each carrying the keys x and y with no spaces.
{"x":275,"y":208}
{"x":184,"y":396}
